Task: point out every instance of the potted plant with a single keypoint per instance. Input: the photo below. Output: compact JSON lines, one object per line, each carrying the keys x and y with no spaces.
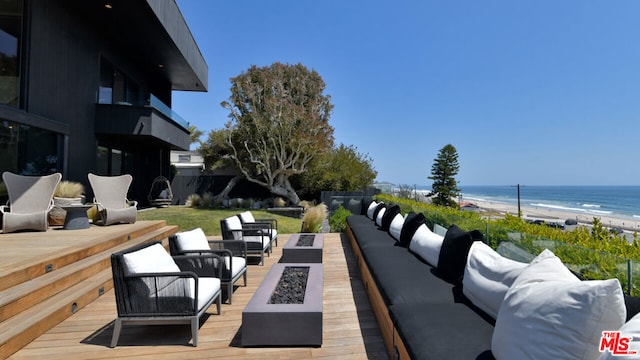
{"x":67,"y":193}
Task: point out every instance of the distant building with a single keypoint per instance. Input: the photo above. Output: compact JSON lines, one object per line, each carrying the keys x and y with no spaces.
{"x":384,"y":187}
{"x":86,"y":86}
{"x":187,"y":163}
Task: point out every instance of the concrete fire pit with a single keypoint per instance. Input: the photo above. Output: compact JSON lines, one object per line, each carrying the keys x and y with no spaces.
{"x":296,"y":249}
{"x":266,"y":324}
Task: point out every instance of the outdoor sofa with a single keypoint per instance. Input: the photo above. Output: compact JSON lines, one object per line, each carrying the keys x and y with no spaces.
{"x":453,"y":297}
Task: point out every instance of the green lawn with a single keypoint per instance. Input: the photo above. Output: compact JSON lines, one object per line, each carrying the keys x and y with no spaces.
{"x":187,"y":218}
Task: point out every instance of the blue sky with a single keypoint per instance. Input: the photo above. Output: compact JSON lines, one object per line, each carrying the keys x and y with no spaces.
{"x":531,"y":92}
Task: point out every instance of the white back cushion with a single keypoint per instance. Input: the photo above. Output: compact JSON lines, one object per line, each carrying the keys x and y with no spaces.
{"x":487,"y":277}
{"x":192,"y":240}
{"x":151,"y":259}
{"x":548,"y":313}
{"x":380,"y":215}
{"x":371,"y":209}
{"x":247,"y":217}
{"x":396,"y":226}
{"x":426,"y":244}
{"x":233,"y":223}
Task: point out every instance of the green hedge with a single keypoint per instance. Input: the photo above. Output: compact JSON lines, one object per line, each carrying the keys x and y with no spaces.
{"x":592,"y":253}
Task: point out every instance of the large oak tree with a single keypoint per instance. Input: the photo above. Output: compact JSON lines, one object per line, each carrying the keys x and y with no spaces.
{"x":279,"y":121}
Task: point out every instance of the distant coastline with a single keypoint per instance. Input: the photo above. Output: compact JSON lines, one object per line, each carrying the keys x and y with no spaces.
{"x":615,"y":206}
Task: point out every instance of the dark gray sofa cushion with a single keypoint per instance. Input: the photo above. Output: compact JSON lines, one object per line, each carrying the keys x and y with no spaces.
{"x":367,"y":233}
{"x":442,"y":331}
{"x":401,"y":277}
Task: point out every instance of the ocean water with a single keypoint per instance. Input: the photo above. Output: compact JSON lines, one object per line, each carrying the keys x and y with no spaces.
{"x":619,"y":201}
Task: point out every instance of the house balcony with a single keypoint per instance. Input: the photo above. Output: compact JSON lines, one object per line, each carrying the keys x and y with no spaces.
{"x":153,"y":123}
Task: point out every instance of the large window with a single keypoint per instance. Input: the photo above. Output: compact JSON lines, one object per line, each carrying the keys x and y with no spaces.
{"x":10,"y":38}
{"x":116,"y":87}
{"x":28,"y":150}
{"x":113,"y":161}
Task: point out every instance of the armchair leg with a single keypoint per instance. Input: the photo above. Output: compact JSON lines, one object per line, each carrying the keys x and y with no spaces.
{"x":219,"y":303}
{"x":245,"y":278}
{"x":116,"y":332}
{"x":195,"y":324}
{"x":229,"y":293}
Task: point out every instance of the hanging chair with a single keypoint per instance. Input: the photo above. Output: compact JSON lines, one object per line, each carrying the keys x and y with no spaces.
{"x":160,"y":194}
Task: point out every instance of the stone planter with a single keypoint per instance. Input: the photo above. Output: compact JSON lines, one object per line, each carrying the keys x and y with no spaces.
{"x":297,"y":251}
{"x":57,"y":215}
{"x":266,"y":324}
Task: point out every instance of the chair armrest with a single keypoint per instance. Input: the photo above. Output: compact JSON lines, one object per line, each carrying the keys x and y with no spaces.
{"x":167,"y":293}
{"x":274,"y":222}
{"x":236,"y":247}
{"x":204,"y":265}
{"x":4,"y":208}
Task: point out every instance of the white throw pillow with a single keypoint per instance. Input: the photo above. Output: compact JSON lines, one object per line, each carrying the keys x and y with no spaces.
{"x":396,"y":226}
{"x":371,"y":209}
{"x":548,"y":313}
{"x":487,"y":277}
{"x":151,"y":259}
{"x":631,"y":329}
{"x":380,"y":215}
{"x":192,"y":240}
{"x":426,"y":244}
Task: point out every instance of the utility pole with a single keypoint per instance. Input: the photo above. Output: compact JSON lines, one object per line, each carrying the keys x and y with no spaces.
{"x":519,"y":213}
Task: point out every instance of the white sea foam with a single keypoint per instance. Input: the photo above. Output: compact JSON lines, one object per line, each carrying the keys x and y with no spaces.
{"x":591,"y":205}
{"x":566,"y":208}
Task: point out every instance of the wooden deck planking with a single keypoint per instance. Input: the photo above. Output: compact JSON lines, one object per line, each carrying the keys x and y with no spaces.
{"x":350,"y":330}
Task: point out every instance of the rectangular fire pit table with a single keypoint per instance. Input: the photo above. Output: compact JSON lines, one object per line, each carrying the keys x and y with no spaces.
{"x":297,"y":249}
{"x":265,"y":324}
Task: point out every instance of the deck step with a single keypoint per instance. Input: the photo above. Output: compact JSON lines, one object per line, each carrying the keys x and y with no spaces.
{"x":25,"y":295}
{"x":21,"y":273}
{"x":32,"y":307}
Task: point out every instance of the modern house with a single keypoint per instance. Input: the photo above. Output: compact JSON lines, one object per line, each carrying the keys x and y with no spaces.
{"x":86,"y":86}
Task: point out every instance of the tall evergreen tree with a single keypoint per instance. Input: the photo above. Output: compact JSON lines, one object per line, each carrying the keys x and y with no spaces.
{"x":443,"y":171}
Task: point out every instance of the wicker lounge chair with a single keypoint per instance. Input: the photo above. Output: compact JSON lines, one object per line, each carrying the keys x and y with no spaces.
{"x":153,"y":288}
{"x":30,"y":199}
{"x":110,"y":195}
{"x":234,"y":253}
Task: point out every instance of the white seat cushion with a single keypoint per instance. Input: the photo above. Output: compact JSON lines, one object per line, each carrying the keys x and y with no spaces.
{"x":258,"y":239}
{"x":192,"y":240}
{"x":207,"y":288}
{"x":239,"y":263}
{"x":151,"y":259}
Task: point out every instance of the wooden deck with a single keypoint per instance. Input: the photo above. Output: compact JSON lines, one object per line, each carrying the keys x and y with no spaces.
{"x":350,"y":330}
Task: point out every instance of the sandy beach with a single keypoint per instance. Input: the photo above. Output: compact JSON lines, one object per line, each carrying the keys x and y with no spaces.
{"x":552,"y":215}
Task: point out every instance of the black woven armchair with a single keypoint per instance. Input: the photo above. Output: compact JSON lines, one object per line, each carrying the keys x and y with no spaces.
{"x":233,"y":253}
{"x":268,"y":226}
{"x":258,"y":240}
{"x":152,"y":288}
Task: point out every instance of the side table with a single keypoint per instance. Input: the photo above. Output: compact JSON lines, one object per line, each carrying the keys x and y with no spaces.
{"x":76,"y":216}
